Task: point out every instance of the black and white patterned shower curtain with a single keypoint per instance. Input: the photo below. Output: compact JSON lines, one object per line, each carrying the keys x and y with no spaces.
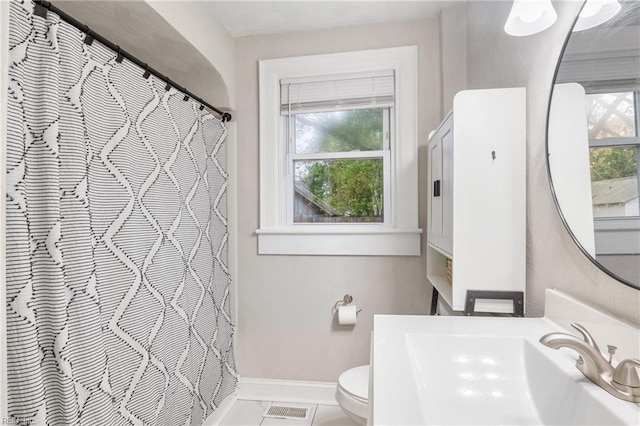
{"x":118,"y":306}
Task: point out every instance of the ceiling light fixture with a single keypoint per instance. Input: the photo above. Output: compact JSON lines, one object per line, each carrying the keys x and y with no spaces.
{"x":530,"y":17}
{"x":596,"y":12}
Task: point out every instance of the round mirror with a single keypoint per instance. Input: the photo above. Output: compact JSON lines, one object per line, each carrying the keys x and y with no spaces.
{"x":593,"y":136}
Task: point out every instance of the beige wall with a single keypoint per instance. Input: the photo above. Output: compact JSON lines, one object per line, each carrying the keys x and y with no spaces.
{"x":286,"y":329}
{"x":497,"y":60}
{"x":182,"y":40}
{"x":200,"y":27}
{"x":453,"y":53}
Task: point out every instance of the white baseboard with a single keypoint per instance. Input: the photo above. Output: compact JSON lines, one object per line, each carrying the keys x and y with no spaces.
{"x":216,"y":417}
{"x":287,"y":391}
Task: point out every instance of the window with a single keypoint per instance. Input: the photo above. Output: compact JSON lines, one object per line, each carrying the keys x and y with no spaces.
{"x":613,"y":123}
{"x":338,"y":154}
{"x":338,"y":148}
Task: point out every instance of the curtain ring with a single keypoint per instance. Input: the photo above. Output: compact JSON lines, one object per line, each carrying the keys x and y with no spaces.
{"x":119,"y":57}
{"x":147,"y":73}
{"x":88,"y":38}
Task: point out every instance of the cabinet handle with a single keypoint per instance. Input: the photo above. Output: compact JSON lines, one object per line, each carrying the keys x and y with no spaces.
{"x":436,"y":188}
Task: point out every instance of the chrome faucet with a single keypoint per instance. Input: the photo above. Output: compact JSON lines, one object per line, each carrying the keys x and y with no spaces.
{"x":622,"y":382}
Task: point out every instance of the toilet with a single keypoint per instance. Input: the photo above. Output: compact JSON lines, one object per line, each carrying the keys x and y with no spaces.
{"x":352,"y":393}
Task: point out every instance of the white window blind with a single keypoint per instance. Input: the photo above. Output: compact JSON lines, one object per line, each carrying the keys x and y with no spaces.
{"x":330,"y":93}
{"x":608,"y":73}
{"x":602,"y":61}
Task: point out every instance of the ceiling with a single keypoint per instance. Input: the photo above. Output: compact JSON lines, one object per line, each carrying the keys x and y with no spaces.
{"x":243,"y":18}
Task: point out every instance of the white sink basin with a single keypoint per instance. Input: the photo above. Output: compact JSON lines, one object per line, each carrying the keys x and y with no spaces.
{"x":496,"y":380}
{"x":482,"y":371}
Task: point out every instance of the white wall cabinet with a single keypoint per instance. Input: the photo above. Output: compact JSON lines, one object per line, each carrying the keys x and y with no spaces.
{"x":477,"y":198}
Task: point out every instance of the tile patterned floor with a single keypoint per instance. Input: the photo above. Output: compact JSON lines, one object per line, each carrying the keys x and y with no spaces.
{"x":249,"y":413}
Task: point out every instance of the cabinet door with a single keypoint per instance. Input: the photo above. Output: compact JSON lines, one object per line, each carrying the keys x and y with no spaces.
{"x":447,"y":188}
{"x":490,"y":194}
{"x":434,"y":222}
{"x":440,"y":175}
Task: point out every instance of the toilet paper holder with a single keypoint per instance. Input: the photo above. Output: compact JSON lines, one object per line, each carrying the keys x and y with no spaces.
{"x":347,"y":299}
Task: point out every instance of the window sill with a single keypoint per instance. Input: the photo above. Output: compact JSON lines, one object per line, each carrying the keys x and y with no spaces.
{"x":339,"y":241}
{"x":617,"y":236}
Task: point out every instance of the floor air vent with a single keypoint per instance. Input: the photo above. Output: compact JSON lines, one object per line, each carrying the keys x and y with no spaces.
{"x":280,"y":411}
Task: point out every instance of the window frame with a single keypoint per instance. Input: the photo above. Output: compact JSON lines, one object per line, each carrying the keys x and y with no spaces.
{"x":384,"y":154}
{"x":400,"y":233}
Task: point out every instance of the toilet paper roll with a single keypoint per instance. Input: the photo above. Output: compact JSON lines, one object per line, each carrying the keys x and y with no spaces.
{"x":347,"y":315}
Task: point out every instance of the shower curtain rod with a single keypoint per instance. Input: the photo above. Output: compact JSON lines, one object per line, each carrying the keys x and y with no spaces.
{"x":41,"y":8}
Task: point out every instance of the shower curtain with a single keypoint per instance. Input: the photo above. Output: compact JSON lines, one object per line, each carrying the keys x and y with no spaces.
{"x":118,"y":305}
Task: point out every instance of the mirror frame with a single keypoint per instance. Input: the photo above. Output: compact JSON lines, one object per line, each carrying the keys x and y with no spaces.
{"x":553,"y":191}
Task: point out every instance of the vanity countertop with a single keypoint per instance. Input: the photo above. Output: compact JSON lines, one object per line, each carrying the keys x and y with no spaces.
{"x":435,"y":370}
